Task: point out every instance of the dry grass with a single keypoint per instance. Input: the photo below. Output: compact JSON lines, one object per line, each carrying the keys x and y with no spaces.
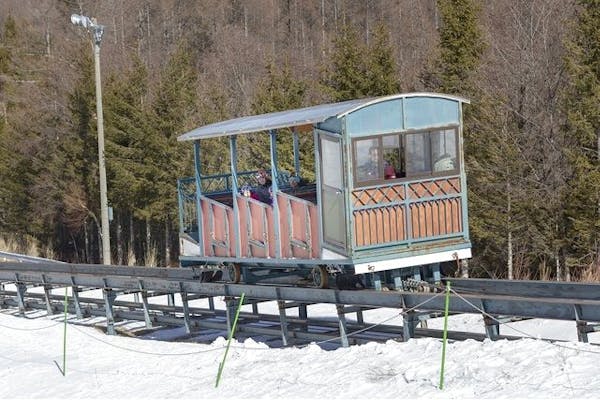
{"x":27,"y":245}
{"x":591,"y":273}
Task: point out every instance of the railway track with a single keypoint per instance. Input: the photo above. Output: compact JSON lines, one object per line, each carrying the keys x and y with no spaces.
{"x":195,"y":310}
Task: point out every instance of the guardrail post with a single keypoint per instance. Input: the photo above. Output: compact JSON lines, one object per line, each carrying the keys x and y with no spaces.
{"x":342,"y":321}
{"x":186,"y":309}
{"x":21,"y":289}
{"x":582,"y":331}
{"x":283,"y":322}
{"x":409,"y":324}
{"x":109,"y":301}
{"x":47,"y":289}
{"x":147,"y":318}
{"x":492,"y":326}
{"x":75,"y":295}
{"x":230,"y":312}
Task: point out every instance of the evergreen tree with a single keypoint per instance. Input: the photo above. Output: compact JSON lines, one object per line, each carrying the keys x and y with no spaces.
{"x":382,"y":75}
{"x":346,"y":78}
{"x":278,"y":91}
{"x":174,"y":110}
{"x":359,"y":71}
{"x":460,"y":48}
{"x":583,"y":129}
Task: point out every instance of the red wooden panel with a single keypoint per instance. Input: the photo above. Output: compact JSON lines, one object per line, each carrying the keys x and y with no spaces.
{"x":243,"y":220}
{"x":284,"y":228}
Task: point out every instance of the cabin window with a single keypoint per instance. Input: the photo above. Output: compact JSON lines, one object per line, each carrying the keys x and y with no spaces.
{"x":431,"y":153}
{"x":367,"y":157}
{"x":414,"y":154}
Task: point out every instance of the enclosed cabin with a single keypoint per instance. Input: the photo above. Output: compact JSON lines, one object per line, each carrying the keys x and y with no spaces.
{"x":389,"y":199}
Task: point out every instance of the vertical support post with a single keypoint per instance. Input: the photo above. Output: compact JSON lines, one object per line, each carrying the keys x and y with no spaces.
{"x":342,"y":322}
{"x":303,"y":311}
{"x":255,"y":308}
{"x":283,"y":322}
{"x":171,"y":300}
{"x":75,"y":295}
{"x":409,"y":325}
{"x":377,"y":281}
{"x":397,"y":275}
{"x":492,"y":327}
{"x":21,"y":289}
{"x":147,"y":319}
{"x":296,"y":152}
{"x":275,"y":189}
{"x":417,"y":273}
{"x":211,"y":304}
{"x":437,"y":274}
{"x":198,"y":175}
{"x":359,"y":317}
{"x":186,"y":309}
{"x":230,"y":313}
{"x":109,"y":301}
{"x":47,"y":289}
{"x":582,"y":335}
{"x":234,"y":193}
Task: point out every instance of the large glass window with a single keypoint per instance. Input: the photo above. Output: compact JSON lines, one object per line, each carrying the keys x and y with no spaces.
{"x":405,"y":155}
{"x":418,"y":160}
{"x":443,"y":150}
{"x":367,"y":158}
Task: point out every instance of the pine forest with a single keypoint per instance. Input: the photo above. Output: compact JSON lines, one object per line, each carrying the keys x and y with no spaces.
{"x":531,"y":70}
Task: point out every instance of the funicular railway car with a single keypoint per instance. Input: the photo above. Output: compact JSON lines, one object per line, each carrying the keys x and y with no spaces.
{"x":388,"y":205}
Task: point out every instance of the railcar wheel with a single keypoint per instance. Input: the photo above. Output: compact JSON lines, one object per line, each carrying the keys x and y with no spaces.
{"x":234,"y":273}
{"x":319,"y":277}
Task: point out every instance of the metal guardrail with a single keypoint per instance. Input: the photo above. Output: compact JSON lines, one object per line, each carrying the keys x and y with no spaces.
{"x":547,"y":300}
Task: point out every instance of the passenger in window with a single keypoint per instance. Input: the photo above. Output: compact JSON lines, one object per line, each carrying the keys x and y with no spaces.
{"x":370,"y":169}
{"x":388,"y":171}
{"x":296,"y":181}
{"x":444,"y":163}
{"x":262,"y":192}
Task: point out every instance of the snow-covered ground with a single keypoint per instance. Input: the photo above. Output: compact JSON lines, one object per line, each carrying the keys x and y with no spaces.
{"x":115,"y":367}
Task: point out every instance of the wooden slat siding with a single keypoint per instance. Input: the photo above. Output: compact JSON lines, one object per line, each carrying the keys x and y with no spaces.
{"x":268,"y":214}
{"x":457,"y":216}
{"x":436,"y":217}
{"x":380,"y":227}
{"x":358,"y":228}
{"x":284,"y":228}
{"x":372,"y":227}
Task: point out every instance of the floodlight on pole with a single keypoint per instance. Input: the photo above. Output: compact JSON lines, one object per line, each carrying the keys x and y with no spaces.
{"x":97,"y":31}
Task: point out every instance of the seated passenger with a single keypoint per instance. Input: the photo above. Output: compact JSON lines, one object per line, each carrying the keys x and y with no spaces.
{"x":296,"y":181}
{"x":262,"y":192}
{"x":388,"y":171}
{"x":444,"y":163}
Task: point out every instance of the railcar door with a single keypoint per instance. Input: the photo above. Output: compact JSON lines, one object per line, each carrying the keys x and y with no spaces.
{"x":333,"y":205}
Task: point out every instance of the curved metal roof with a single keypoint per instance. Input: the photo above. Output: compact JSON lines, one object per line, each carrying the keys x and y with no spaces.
{"x":297,"y":117}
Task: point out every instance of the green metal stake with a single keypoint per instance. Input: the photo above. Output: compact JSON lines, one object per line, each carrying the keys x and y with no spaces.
{"x":222,"y":364}
{"x":445,"y":337}
{"x":63,"y":370}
